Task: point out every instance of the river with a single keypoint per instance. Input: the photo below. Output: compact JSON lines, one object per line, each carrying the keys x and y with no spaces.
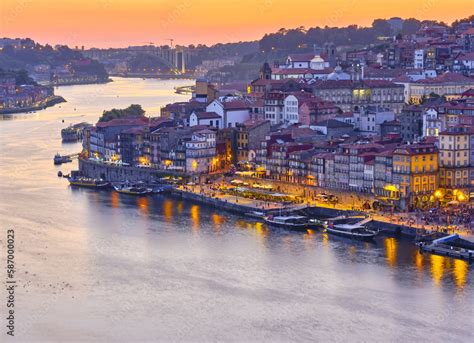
{"x":99,"y":266}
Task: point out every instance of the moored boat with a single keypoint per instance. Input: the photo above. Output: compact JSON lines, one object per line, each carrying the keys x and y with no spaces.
{"x":317,"y":224}
{"x":357,"y":232}
{"x":299,"y":223}
{"x":133,"y":190}
{"x":87,"y":182}
{"x":58,"y":159}
{"x":255,"y":214}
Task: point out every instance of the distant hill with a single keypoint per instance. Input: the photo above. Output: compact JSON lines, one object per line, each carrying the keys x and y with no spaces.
{"x":19,"y":54}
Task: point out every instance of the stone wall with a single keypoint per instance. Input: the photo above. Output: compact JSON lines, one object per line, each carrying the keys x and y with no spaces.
{"x":113,"y":173}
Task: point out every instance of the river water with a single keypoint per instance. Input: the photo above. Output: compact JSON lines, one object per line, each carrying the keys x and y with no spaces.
{"x":99,"y":266}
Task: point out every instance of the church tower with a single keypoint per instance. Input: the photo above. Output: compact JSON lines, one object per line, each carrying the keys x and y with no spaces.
{"x":265,"y":72}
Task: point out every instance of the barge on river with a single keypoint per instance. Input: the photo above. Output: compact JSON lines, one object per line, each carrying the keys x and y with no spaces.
{"x":451,"y":246}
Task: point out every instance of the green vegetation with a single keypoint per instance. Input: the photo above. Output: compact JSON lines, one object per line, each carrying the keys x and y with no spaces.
{"x":133,"y":111}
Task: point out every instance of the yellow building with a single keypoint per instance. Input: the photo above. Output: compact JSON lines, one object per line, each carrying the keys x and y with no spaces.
{"x":415,"y":174}
{"x":454,"y":151}
{"x":449,"y":84}
{"x":242,"y":144}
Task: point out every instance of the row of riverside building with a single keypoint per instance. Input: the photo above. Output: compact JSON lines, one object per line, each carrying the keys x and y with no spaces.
{"x":399,"y":134}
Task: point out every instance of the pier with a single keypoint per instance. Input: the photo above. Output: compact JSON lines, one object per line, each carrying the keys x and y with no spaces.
{"x":451,"y":246}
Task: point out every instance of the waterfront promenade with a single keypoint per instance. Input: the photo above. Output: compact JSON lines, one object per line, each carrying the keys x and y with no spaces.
{"x":212,"y":194}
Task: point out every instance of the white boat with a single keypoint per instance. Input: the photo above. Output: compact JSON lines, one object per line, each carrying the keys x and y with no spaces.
{"x":357,"y":231}
{"x":255,"y":214}
{"x":288,"y":222}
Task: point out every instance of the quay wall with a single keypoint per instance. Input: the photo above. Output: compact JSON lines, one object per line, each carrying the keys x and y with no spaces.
{"x":322,"y":212}
{"x":217,"y":203}
{"x":114,"y":173}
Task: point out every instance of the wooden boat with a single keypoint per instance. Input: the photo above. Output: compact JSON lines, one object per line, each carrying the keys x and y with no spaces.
{"x":133,"y":190}
{"x":88,"y":182}
{"x":299,"y":223}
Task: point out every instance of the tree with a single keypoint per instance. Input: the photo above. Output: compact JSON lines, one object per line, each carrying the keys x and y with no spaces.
{"x":381,"y":27}
{"x":133,"y":111}
{"x":410,"y":26}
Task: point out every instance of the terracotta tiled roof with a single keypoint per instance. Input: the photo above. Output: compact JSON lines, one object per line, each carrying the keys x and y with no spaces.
{"x":124,"y":122}
{"x":207,"y":115}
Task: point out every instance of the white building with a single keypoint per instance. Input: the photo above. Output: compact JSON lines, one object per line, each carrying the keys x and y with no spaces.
{"x":303,"y":66}
{"x":419,"y":59}
{"x":201,"y":152}
{"x":211,"y":119}
{"x":338,"y":74}
{"x":432,"y":123}
{"x":368,"y":119}
{"x":290,"y":109}
{"x":232,"y":112}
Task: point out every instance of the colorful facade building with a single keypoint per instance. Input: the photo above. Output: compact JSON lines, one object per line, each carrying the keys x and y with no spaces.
{"x":415,"y":174}
{"x":455,"y":164}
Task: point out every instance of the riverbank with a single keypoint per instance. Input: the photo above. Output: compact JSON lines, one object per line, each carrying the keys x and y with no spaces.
{"x":51,"y":101}
{"x":79,"y":82}
{"x":154,"y":76}
{"x":240,"y":205}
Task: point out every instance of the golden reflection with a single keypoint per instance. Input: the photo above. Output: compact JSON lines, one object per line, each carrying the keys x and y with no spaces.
{"x":143,"y":205}
{"x":114,"y":199}
{"x":179,"y":207}
{"x":460,"y":272}
{"x":437,"y":268}
{"x":241,"y":224}
{"x":419,"y":260}
{"x":325,"y":239}
{"x":352,"y":250}
{"x":168,"y":209}
{"x":391,"y":246}
{"x":195,"y":217}
{"x":217,"y":220}
{"x":308,"y":239}
{"x":261,"y":230}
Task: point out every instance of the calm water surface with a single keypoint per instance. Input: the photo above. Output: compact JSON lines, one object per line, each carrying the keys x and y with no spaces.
{"x":103,"y":266}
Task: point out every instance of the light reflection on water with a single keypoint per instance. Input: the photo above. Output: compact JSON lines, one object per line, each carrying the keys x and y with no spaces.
{"x":202,"y":272}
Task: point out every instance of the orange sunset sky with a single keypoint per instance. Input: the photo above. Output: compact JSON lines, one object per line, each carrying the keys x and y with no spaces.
{"x":119,"y":23}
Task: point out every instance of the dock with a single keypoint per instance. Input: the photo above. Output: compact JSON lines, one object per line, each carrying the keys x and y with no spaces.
{"x":450,"y":246}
